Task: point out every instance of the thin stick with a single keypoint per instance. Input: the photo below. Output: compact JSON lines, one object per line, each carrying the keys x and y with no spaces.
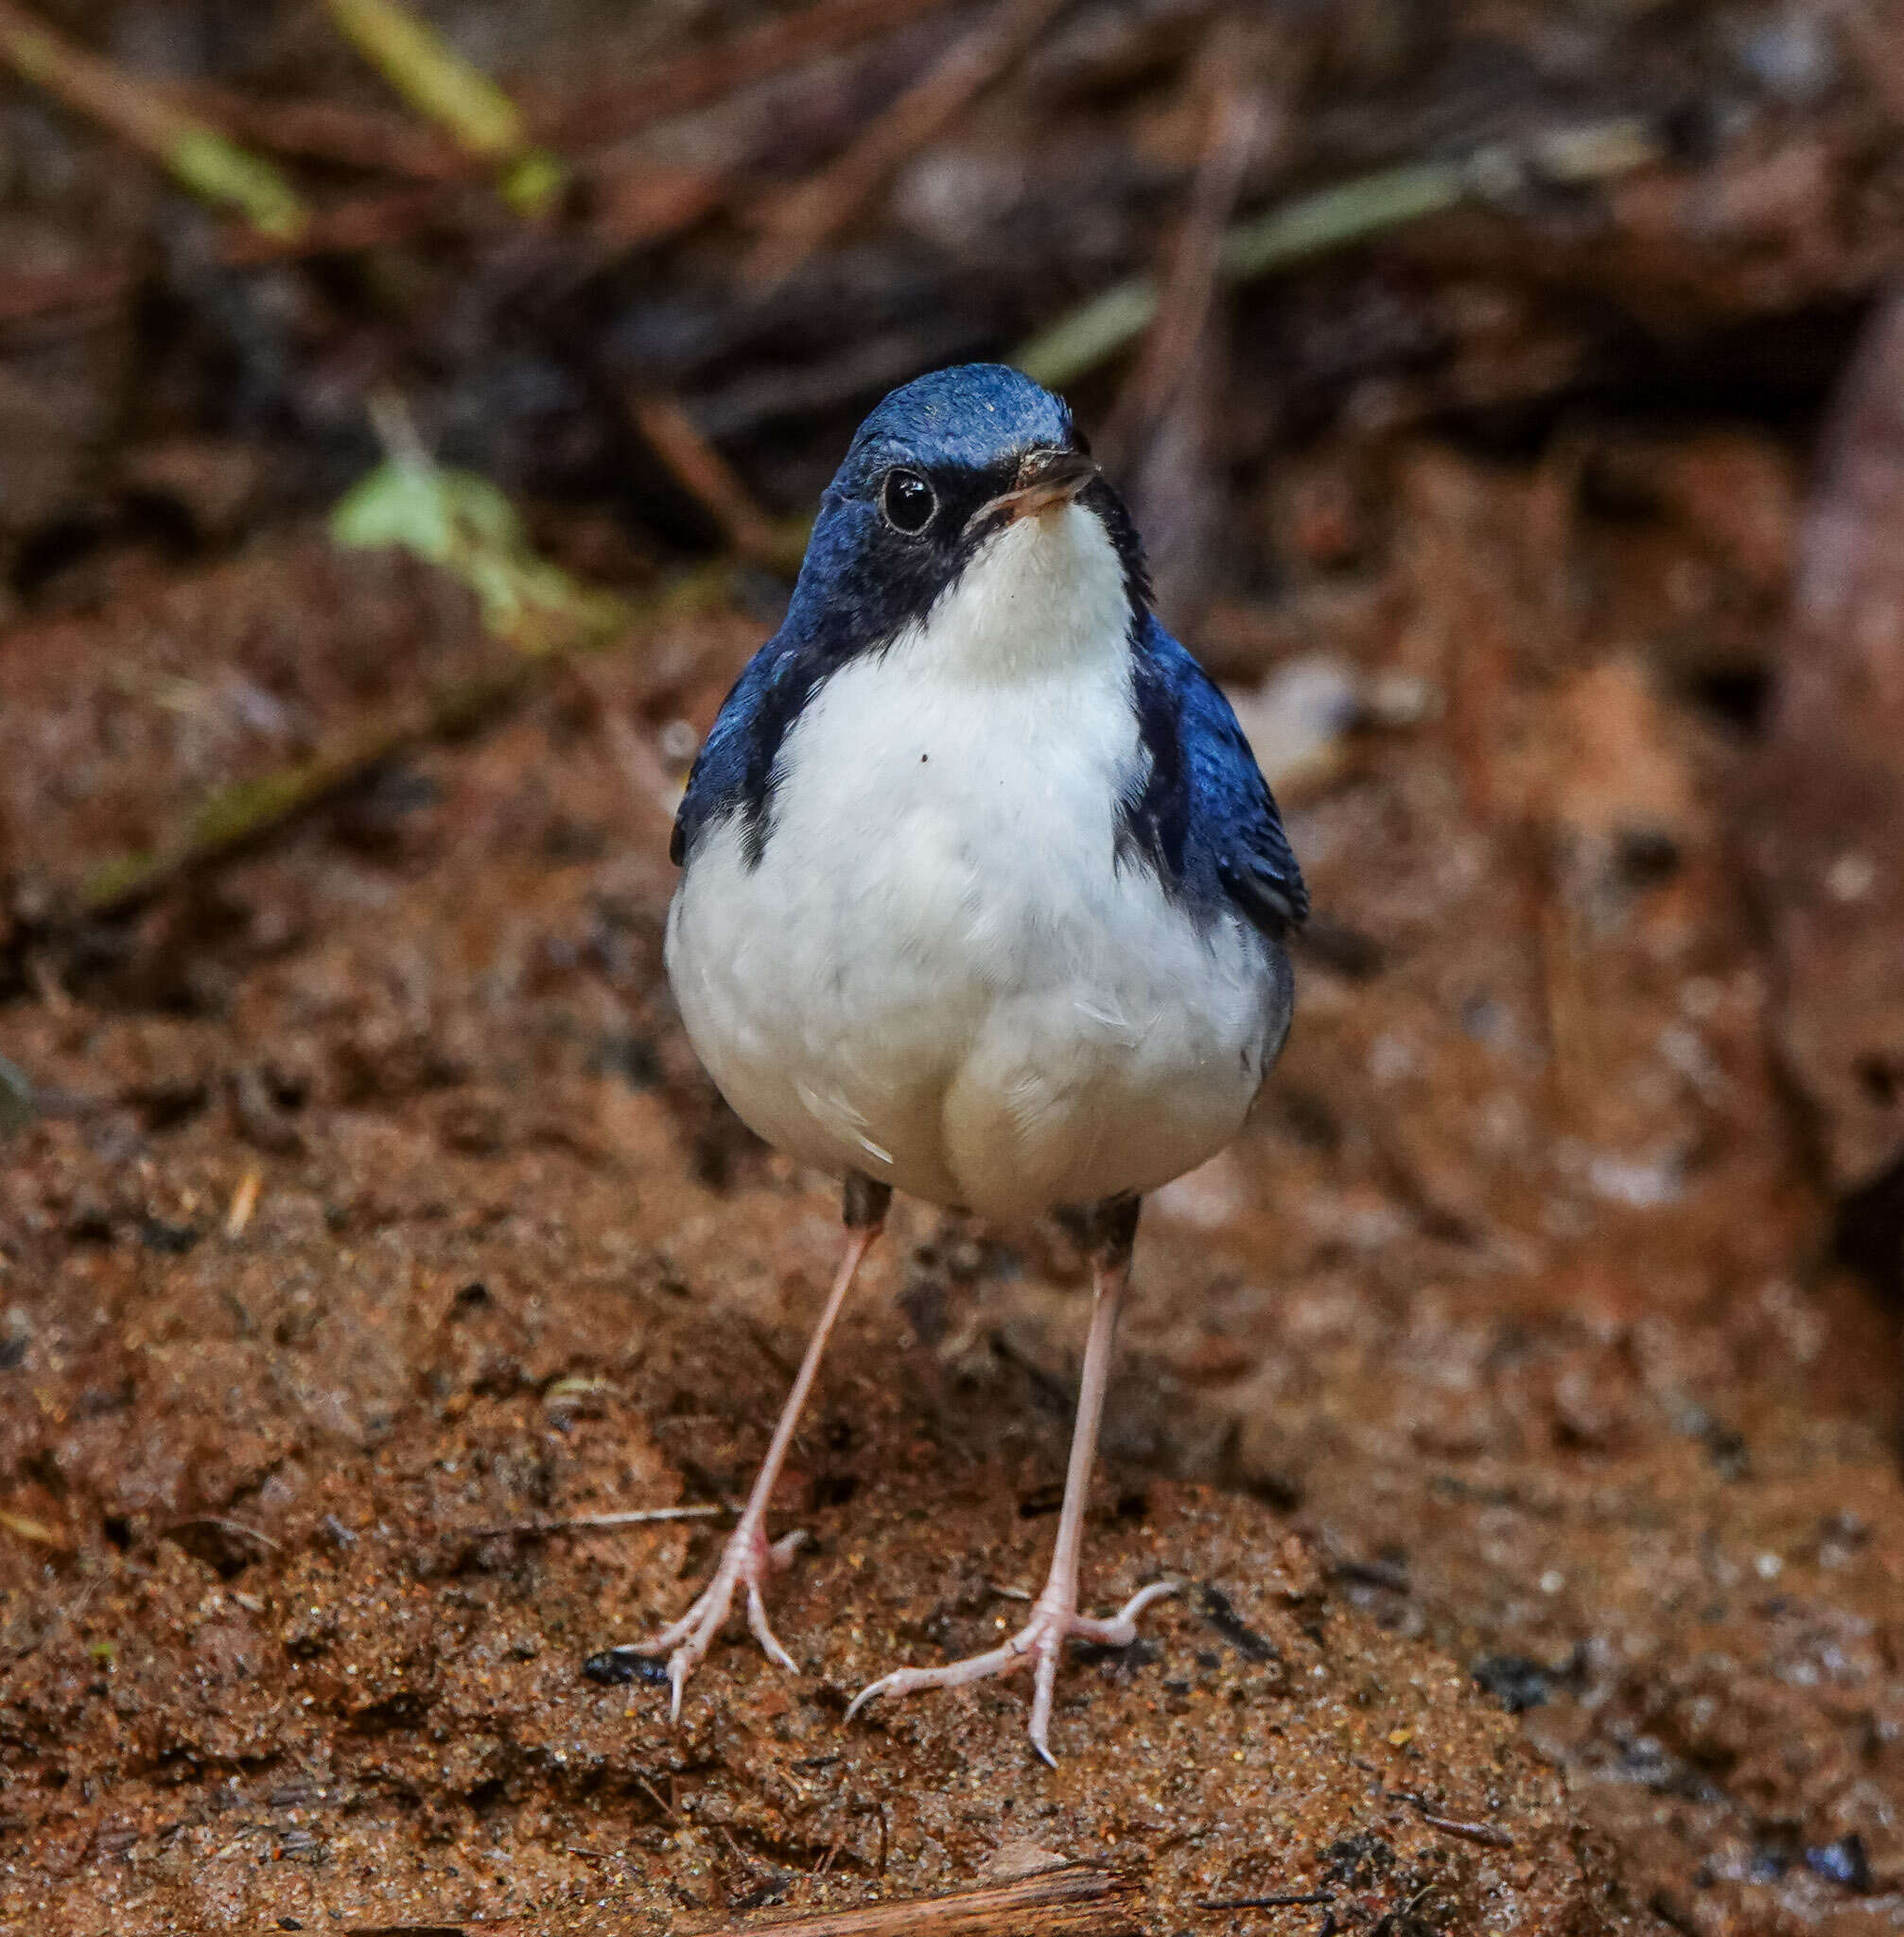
{"x":329,"y":131}
{"x":801,"y":221}
{"x":224,"y":1526}
{"x":617,"y":109}
{"x":1264,"y":1903}
{"x":1169,"y":354}
{"x":197,"y":155}
{"x":1074,"y":1899}
{"x":238,"y":816}
{"x":370,"y":222}
{"x":645,"y":1516}
{"x":23,"y":298}
{"x":666,"y":1810}
{"x":1316,"y":225}
{"x":711,"y":482}
{"x":461,"y":99}
{"x":1469,"y":1832}
{"x":593,"y":122}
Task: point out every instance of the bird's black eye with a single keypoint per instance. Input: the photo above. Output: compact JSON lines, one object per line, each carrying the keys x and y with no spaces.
{"x":909,"y":501}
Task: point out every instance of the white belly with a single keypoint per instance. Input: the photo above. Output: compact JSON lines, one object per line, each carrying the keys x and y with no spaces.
{"x":938,"y":975}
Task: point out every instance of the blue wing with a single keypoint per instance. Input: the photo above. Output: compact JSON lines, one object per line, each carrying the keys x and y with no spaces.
{"x":717,"y":782}
{"x":1204,"y":816}
{"x":734,"y":771}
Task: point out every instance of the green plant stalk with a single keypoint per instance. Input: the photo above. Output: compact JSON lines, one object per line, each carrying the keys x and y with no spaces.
{"x":461,"y":99}
{"x":1332,"y":218}
{"x":217,"y":169}
{"x":1336,"y":218}
{"x":212,"y":166}
{"x":238,"y":816}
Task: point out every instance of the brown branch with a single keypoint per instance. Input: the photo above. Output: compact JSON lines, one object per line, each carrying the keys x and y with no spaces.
{"x":584,"y":1523}
{"x":630,"y":209}
{"x":618,"y":109}
{"x":589,"y":124}
{"x":330,"y":131}
{"x":803,"y":219}
{"x":710,"y":480}
{"x":635,"y":205}
{"x":199,"y":156}
{"x":28,"y":298}
{"x":1234,"y":66}
{"x":369,"y":221}
{"x":1075,"y":1901}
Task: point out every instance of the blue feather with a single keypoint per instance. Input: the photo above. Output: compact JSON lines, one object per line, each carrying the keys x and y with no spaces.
{"x":1204,"y":817}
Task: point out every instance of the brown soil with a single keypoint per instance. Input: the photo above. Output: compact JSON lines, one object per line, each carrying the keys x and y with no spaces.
{"x":373,"y":1201}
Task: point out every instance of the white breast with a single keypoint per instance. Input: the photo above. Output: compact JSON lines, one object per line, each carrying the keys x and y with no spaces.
{"x":938,"y":973}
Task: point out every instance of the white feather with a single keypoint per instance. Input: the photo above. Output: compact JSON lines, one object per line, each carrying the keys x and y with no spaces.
{"x":939,"y":973}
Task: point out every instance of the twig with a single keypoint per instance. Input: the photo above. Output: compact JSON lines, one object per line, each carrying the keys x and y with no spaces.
{"x":1334,"y":218}
{"x":826,"y":1862}
{"x":666,"y":1810}
{"x":1264,"y":1903}
{"x":803,"y":219}
{"x":595,"y":121}
{"x":1189,"y":293}
{"x":329,"y":131}
{"x":617,"y":109}
{"x":371,"y":221}
{"x":236,"y":815}
{"x":464,"y":102}
{"x":1076,"y":1899}
{"x":635,"y":205}
{"x":582,"y":1522}
{"x":710,"y":480}
{"x":23,"y":298}
{"x":224,"y":1526}
{"x":209,"y":164}
{"x":1469,"y":1832}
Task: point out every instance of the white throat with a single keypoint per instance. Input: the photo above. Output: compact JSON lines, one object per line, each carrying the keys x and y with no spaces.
{"x":1044,"y":595}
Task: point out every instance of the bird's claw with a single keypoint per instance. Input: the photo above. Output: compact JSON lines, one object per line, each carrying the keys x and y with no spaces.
{"x":1053,"y":1621}
{"x":747,"y":1561}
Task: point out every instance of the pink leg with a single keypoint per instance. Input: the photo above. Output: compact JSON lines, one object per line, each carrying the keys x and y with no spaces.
{"x":749,"y":1559}
{"x":1054,"y":1618}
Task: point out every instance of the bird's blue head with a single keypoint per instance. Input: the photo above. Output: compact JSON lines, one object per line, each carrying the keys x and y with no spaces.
{"x":968,"y":490}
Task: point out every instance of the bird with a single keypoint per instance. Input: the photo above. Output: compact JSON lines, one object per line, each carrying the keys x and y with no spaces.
{"x":983,"y":899}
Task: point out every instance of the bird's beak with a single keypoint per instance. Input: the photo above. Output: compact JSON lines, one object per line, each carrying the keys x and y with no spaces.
{"x":1045,"y":478}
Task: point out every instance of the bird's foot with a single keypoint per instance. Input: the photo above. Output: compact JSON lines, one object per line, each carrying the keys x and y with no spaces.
{"x":1053,"y":1621}
{"x":748,"y":1561}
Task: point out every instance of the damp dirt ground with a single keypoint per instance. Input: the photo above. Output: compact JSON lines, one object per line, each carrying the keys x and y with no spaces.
{"x":1531,"y":1472}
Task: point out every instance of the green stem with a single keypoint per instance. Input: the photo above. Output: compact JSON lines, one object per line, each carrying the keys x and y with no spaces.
{"x":461,"y":99}
{"x":1332,"y":218}
{"x":209,"y":164}
{"x":245,"y":812}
